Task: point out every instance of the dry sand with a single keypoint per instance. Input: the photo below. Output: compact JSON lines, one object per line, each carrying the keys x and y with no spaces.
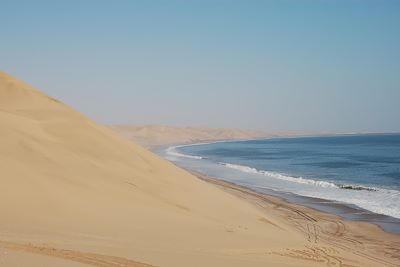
{"x":74,"y":193}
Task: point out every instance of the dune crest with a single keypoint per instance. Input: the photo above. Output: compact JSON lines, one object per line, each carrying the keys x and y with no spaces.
{"x":15,"y":94}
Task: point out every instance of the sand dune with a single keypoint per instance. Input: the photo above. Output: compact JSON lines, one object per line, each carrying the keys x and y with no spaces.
{"x":74,"y":191}
{"x":155,"y":135}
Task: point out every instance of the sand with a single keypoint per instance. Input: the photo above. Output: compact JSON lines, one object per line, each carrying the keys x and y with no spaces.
{"x":74,"y":193}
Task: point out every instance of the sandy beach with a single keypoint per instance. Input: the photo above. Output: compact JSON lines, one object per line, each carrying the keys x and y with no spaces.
{"x":360,"y":238}
{"x":74,"y":193}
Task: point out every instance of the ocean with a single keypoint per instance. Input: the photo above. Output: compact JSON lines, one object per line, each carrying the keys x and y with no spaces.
{"x":360,"y":172}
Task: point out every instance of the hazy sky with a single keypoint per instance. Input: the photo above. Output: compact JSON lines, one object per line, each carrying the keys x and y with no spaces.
{"x":320,"y":65}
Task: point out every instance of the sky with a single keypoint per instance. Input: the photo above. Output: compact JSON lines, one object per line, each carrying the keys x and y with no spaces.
{"x":317,"y":65}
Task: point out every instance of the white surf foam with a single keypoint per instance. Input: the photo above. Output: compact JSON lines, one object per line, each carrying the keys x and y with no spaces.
{"x":172,"y":152}
{"x":280,"y":176}
{"x":378,"y":200}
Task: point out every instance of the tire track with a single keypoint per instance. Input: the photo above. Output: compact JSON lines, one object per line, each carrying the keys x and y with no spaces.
{"x":94,"y":259}
{"x":317,"y":226}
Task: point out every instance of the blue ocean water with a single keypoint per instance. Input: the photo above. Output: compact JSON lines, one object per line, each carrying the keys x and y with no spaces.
{"x":361,"y":170}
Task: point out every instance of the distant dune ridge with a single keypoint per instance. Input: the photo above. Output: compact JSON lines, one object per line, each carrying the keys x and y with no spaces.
{"x":74,"y":193}
{"x":155,"y":135}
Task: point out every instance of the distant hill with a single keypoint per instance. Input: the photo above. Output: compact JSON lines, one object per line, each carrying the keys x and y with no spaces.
{"x":155,"y":135}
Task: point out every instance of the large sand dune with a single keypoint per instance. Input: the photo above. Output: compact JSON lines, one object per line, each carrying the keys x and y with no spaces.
{"x":73,"y":190}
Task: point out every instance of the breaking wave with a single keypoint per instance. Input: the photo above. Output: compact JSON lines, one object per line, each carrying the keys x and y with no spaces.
{"x":299,"y":180}
{"x":172,"y":152}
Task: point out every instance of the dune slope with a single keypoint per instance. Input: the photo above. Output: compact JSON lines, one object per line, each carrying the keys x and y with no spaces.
{"x":72,"y":189}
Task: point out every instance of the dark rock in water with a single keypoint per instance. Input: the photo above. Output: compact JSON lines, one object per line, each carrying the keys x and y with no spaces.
{"x":353,"y":187}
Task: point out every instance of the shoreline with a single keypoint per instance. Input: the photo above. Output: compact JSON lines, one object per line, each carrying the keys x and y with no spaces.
{"x":362,"y":238}
{"x":346,"y":211}
{"x":267,"y":137}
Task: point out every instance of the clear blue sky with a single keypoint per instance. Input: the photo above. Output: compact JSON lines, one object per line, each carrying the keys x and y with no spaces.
{"x":318,"y":65}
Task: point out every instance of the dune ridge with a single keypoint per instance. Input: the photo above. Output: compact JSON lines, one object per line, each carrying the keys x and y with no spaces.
{"x":75,"y":192}
{"x":156,"y":135}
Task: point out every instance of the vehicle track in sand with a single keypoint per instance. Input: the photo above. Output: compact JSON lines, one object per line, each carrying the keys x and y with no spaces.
{"x":72,"y":255}
{"x":317,"y":228}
